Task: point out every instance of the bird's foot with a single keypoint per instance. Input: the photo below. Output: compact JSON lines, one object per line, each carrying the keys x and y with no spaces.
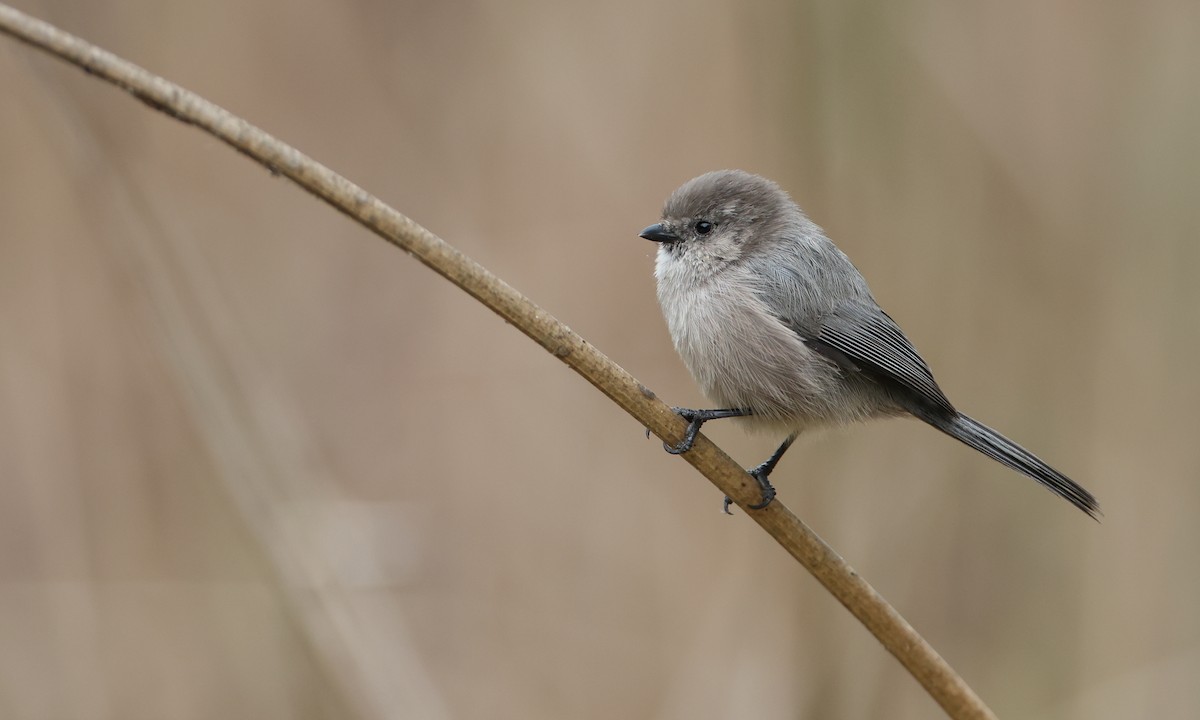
{"x":695,"y":419}
{"x":760,"y":474}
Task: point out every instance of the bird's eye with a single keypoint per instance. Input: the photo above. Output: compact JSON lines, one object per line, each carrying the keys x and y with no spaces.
{"x":704,"y":227}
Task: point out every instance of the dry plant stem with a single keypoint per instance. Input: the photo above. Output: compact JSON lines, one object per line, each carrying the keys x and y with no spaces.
{"x":934,"y":674}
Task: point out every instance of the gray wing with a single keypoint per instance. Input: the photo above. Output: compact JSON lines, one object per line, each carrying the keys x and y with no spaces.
{"x":818,"y":293}
{"x":861,"y":337}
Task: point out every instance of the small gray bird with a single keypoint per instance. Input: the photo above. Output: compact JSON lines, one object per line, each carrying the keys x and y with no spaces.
{"x":779,"y":328}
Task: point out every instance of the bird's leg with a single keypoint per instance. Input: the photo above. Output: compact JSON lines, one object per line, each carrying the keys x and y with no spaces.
{"x":761,"y":474}
{"x":695,"y":419}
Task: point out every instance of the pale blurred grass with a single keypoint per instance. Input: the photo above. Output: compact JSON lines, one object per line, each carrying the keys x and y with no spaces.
{"x":1018,"y":182}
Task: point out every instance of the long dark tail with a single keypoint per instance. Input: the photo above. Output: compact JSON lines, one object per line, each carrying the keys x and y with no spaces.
{"x":999,"y":448}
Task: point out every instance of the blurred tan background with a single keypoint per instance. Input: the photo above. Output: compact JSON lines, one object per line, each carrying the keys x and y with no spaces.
{"x":255,"y":463}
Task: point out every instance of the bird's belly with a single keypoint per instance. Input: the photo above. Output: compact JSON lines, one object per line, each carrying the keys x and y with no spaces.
{"x":742,"y":356}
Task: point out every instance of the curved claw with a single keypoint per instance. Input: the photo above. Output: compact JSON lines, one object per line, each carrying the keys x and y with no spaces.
{"x":681,"y":448}
{"x":768,"y":491}
{"x":768,"y":494}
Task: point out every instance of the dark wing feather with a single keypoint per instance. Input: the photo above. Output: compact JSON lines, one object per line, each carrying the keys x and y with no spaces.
{"x":872,"y":343}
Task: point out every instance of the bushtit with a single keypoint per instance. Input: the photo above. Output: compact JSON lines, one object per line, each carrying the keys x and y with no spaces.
{"x":779,"y":328}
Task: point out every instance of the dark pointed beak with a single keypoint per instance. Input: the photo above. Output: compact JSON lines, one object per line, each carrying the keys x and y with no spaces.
{"x":658,"y":233}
